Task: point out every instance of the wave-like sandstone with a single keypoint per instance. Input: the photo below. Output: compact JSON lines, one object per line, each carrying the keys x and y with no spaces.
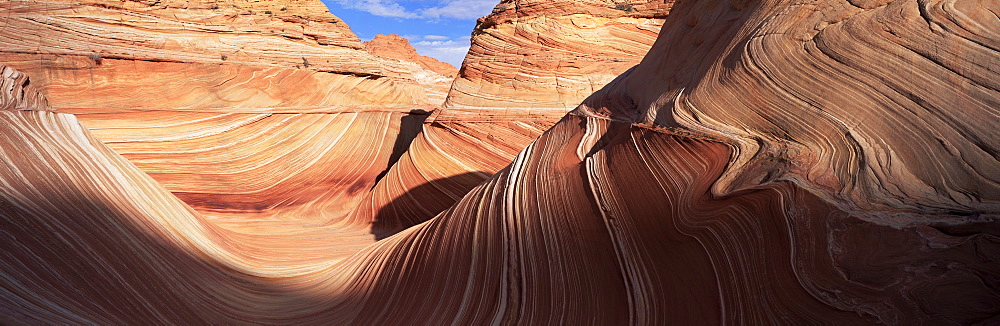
{"x":544,"y":54}
{"x":16,"y":92}
{"x":530,"y":63}
{"x":860,"y":104}
{"x":434,"y":75}
{"x":761,"y":165}
{"x":562,"y":235}
{"x":197,"y":54}
{"x":201,"y":135}
{"x":238,"y":107}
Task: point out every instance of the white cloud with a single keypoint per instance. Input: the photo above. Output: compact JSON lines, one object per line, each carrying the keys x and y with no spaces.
{"x":435,"y":37}
{"x":384,"y":8}
{"x":460,"y":9}
{"x":457,"y":9}
{"x":449,"y":51}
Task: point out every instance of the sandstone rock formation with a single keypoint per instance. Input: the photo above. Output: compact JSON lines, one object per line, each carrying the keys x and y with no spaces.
{"x":767,"y":162}
{"x":543,"y":54}
{"x":530,"y":63}
{"x":16,"y":92}
{"x":238,"y":107}
{"x":215,"y":54}
{"x":397,"y":47}
{"x":437,"y":82}
{"x":902,"y":136}
{"x":234,"y":103}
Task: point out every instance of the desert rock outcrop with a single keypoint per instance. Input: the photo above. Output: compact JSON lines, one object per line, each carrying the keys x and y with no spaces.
{"x":530,"y":63}
{"x":243,"y":102}
{"x":767,"y":162}
{"x":535,"y":54}
{"x":434,"y":75}
{"x":195,"y":55}
{"x":16,"y":92}
{"x":397,"y":47}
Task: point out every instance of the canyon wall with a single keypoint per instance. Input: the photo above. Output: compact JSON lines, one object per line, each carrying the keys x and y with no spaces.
{"x":204,"y":97}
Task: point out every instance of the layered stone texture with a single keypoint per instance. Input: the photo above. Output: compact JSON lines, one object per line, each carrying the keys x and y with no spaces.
{"x":238,"y":107}
{"x":434,"y":75}
{"x":552,"y":54}
{"x":208,"y":54}
{"x":396,"y":47}
{"x":901,"y":135}
{"x":768,"y":162}
{"x":16,"y":92}
{"x":530,"y":63}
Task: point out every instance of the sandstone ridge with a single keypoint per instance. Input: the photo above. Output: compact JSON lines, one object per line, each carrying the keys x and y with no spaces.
{"x":766,"y":162}
{"x":436,"y":76}
{"x":397,"y":47}
{"x":236,"y":54}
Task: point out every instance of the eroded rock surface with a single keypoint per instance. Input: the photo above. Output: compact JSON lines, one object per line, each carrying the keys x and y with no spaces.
{"x":436,"y":76}
{"x":552,"y":54}
{"x":767,"y":162}
{"x":16,"y":92}
{"x":397,"y":47}
{"x":237,"y":107}
{"x":197,"y":54}
{"x":530,"y":63}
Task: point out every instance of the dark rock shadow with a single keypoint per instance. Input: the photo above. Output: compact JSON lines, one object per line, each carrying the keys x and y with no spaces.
{"x":410,"y":125}
{"x":85,"y":259}
{"x":423,"y":203}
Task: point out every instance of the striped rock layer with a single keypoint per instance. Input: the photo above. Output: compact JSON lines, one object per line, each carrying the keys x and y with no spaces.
{"x":240,"y":108}
{"x":16,"y":92}
{"x":767,"y":162}
{"x":530,"y":63}
{"x":552,"y":54}
{"x":434,"y":75}
{"x":197,"y":54}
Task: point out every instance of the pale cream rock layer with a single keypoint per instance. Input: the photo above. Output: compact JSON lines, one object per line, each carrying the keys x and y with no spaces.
{"x":434,"y":75}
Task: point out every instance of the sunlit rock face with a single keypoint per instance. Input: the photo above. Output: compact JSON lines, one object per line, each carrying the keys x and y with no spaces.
{"x":265,"y":110}
{"x":767,"y":162}
{"x":16,"y":92}
{"x":396,"y":47}
{"x":197,"y":54}
{"x":530,"y":63}
{"x":552,"y":54}
{"x":434,"y":75}
{"x":884,"y":108}
{"x":869,"y":123}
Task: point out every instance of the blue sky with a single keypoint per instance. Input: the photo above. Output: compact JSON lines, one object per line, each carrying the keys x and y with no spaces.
{"x":436,"y":28}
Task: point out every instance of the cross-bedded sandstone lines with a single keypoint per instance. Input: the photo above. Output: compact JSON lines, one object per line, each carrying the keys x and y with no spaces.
{"x":196,"y":55}
{"x":766,"y":162}
{"x":530,"y":63}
